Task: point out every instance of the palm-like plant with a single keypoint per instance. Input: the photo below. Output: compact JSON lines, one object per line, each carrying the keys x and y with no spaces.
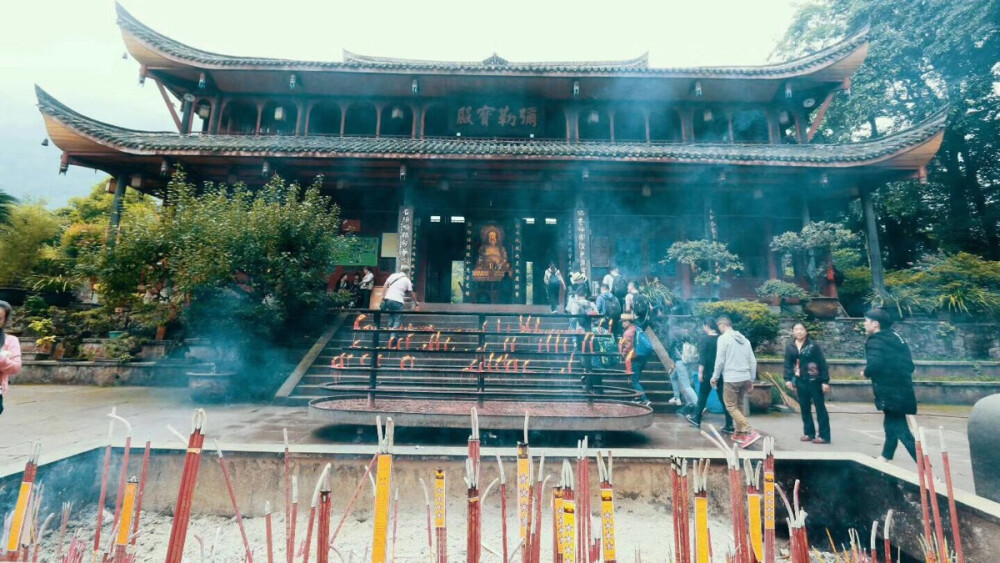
{"x":6,"y":202}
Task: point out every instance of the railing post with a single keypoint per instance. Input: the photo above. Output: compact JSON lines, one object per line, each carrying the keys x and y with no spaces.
{"x":373,"y":372}
{"x":481,"y":379}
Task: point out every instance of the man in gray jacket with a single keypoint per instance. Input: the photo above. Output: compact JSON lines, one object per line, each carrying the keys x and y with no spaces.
{"x":737,"y":366}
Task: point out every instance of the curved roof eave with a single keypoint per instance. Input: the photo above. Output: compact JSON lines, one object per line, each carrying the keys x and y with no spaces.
{"x":157,"y":50}
{"x":146,"y":143}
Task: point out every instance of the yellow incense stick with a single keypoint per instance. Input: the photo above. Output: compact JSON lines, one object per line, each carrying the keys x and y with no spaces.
{"x":523,"y":490}
{"x":439,"y":499}
{"x":756,"y":535}
{"x":557,"y":512}
{"x":128,"y":509}
{"x":701,"y":529}
{"x":383,"y":478}
{"x":569,"y":530}
{"x":608,"y":523}
{"x":20,"y":510}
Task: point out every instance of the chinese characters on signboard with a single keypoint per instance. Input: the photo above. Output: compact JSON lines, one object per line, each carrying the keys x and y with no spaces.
{"x":497,"y":118}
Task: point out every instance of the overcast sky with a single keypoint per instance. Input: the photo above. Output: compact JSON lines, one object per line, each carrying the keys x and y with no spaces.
{"x":73,"y":49}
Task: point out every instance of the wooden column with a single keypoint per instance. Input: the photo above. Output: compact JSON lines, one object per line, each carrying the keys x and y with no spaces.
{"x":116,"y":209}
{"x":260,"y":115}
{"x":683,"y":270}
{"x":772,"y":265}
{"x":215,"y":116}
{"x":343,"y":118}
{"x":414,"y":110}
{"x":874,"y":250}
{"x":611,"y":124}
{"x":378,"y":120}
{"x":645,"y":116}
{"x":300,"y":109}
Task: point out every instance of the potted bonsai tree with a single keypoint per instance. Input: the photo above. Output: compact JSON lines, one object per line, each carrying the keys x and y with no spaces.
{"x":709,"y":261}
{"x":816,"y":243}
{"x":778,"y":292}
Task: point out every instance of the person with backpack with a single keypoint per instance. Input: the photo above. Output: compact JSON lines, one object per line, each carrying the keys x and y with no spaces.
{"x":637,"y":345}
{"x":706,"y":363}
{"x":577,"y":281}
{"x":609,"y":307}
{"x":554,"y":284}
{"x":619,"y":287}
{"x":685,"y":356}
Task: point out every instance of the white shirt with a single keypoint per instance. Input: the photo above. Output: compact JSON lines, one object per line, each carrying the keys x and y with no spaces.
{"x":609,"y":281}
{"x":368,"y":281}
{"x":397,"y":290}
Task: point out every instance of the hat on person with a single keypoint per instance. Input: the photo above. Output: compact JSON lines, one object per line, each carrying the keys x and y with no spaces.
{"x":880,"y":316}
{"x":628,"y":317}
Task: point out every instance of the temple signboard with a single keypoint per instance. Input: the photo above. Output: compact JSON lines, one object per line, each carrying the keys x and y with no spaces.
{"x":497,"y":118}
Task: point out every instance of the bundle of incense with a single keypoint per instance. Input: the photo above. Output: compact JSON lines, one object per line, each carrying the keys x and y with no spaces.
{"x":506,"y":342}
{"x":391,"y":342}
{"x":357,"y":321}
{"x":799,"y":544}
{"x":507,"y":365}
{"x":583,"y":501}
{"x":536,"y":535}
{"x":956,"y":535}
{"x":383,"y":482}
{"x":67,"y":509}
{"x":21,"y":508}
{"x":548,"y":343}
{"x":440,"y":517}
{"x":520,"y":328}
{"x":408,"y":338}
{"x":924,"y":506}
{"x":569,"y":365}
{"x":942,"y":547}
{"x":236,"y":509}
{"x":702,"y":543}
{"x":473,"y":536}
{"x":474,"y":455}
{"x":313,"y":504}
{"x":498,"y":326}
{"x":886,"y":529}
{"x":123,"y":474}
{"x":681,"y":490}
{"x":268,"y":532}
{"x":732,"y":455}
{"x":566,"y":345}
{"x":41,"y":533}
{"x":430,"y":526}
{"x":289,"y":547}
{"x":503,"y":508}
{"x":323,"y":526}
{"x":604,"y":472}
{"x":102,"y":497}
{"x":125,"y":524}
{"x":189,"y":478}
{"x":769,"y":551}
{"x":538,"y":324}
{"x":356,"y":343}
{"x":752,"y":473}
{"x":524,"y":366}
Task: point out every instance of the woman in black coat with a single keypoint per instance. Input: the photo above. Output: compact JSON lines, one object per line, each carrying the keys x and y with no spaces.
{"x":806,"y":373}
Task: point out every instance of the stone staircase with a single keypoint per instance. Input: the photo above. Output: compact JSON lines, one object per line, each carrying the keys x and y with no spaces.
{"x":434,"y":351}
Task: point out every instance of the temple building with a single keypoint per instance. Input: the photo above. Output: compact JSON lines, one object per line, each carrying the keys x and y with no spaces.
{"x":478,"y":174}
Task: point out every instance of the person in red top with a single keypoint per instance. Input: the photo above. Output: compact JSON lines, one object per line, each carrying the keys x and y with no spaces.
{"x":626,"y":346}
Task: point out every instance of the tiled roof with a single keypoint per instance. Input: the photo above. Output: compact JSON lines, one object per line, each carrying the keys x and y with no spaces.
{"x":155,"y":143}
{"x":496,"y":65}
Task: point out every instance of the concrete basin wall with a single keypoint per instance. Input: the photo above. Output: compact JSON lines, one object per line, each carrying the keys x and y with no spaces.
{"x":837,"y":493}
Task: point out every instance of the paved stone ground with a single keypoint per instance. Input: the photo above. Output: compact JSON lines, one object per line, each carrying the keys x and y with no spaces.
{"x":67,"y":419}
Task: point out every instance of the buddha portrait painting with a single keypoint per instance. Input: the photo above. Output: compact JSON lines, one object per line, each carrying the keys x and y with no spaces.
{"x":492,"y":262}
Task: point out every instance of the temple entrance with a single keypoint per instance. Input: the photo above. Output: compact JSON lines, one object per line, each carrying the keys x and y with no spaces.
{"x":444,"y":256}
{"x":543,"y":244}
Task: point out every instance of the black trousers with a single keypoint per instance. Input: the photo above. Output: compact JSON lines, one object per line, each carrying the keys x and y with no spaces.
{"x":704,"y":388}
{"x":811,"y":394}
{"x":896,"y":430}
{"x":552,"y":292}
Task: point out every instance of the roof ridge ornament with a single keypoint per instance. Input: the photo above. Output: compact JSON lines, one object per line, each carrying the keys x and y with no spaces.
{"x":495,"y":60}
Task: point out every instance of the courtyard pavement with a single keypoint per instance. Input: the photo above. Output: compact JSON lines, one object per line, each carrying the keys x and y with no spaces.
{"x":70,"y":419}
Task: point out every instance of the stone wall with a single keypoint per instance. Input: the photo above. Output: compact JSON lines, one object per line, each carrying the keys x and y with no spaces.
{"x":845,"y":338}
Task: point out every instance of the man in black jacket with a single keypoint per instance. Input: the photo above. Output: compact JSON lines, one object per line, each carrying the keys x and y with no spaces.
{"x":889,"y":365}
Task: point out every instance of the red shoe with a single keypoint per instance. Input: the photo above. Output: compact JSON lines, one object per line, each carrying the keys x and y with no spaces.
{"x":806,"y":439}
{"x":738,"y":437}
{"x":820,"y":441}
{"x":750,"y":439}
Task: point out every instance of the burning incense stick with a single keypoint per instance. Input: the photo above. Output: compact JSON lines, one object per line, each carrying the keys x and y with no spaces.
{"x":232,"y":497}
{"x":289,"y":547}
{"x":268,"y":532}
{"x":17,"y":525}
{"x":503,"y":507}
{"x":383,"y":480}
{"x":189,"y":478}
{"x":474,"y":512}
{"x":956,"y":535}
{"x":440,"y":520}
{"x":313,"y":504}
{"x":125,"y":524}
{"x":323,"y":527}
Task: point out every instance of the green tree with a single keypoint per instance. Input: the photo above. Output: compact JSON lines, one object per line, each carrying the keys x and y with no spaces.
{"x":923,"y":54}
{"x":709,"y":260}
{"x":27,"y":241}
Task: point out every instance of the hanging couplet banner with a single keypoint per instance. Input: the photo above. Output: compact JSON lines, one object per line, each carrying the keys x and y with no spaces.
{"x":497,"y":118}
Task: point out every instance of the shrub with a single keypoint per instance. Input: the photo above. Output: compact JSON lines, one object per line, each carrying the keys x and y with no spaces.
{"x":782,"y":290}
{"x":753,"y":319}
{"x":961,"y":283}
{"x":709,"y":259}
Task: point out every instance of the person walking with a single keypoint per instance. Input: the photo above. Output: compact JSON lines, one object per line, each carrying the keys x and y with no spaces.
{"x":397,"y":287}
{"x":735,"y":361}
{"x":367,"y":285}
{"x":554,"y":284}
{"x":609,"y":307}
{"x":889,"y":365}
{"x":10,"y":353}
{"x":630,"y":345}
{"x":685,"y":357}
{"x":706,"y":364}
{"x":807,"y":374}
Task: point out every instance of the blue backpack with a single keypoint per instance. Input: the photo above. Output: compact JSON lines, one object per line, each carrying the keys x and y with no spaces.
{"x":643,"y":345}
